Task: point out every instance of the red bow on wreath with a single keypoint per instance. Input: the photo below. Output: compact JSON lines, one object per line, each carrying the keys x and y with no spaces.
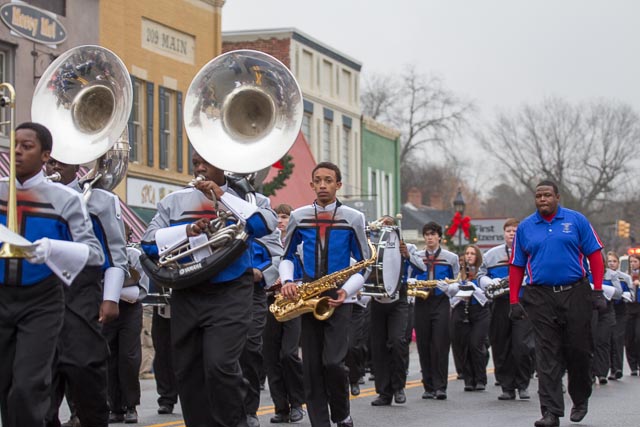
{"x":459,"y":221}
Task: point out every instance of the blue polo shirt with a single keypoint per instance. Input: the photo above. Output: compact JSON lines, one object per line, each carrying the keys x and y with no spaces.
{"x":553,"y":253}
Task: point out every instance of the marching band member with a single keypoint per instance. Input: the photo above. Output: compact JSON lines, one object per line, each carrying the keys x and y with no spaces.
{"x":632,"y":327}
{"x":620,"y":309}
{"x":165,"y":376}
{"x":470,"y":325}
{"x":32,"y":301}
{"x":356,"y":355}
{"x":209,"y":320}
{"x":331,"y":234}
{"x":266,"y":254}
{"x":432,"y":315}
{"x":511,"y":340}
{"x":282,"y":362}
{"x":108,"y":226}
{"x":552,"y":244}
{"x":389,"y":318}
{"x":603,"y":323}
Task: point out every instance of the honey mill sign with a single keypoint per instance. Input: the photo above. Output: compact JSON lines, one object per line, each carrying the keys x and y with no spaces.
{"x":32,"y":23}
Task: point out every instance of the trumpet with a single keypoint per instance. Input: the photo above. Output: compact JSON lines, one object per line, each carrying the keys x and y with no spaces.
{"x":54,"y":177}
{"x":422,"y":288}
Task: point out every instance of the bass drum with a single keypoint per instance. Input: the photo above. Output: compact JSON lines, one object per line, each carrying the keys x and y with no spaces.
{"x":157,"y":296}
{"x":387,"y":271}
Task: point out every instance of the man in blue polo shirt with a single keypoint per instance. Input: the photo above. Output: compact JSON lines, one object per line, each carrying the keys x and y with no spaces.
{"x":552,"y":244}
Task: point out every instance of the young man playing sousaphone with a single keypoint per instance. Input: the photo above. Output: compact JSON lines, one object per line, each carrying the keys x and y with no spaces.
{"x":210,"y":319}
{"x":32,"y":302}
{"x":330,"y":234}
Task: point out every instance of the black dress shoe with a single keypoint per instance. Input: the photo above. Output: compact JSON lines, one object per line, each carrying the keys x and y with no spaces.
{"x":507,"y":395}
{"x":618,"y":375}
{"x":279,"y":418}
{"x":524,"y":394}
{"x":441,"y":395}
{"x":578,"y":412}
{"x":611,"y":377}
{"x":548,"y":420}
{"x":115,"y":417}
{"x":355,"y":389}
{"x":348,"y":423}
{"x":381,"y":401}
{"x":428,"y":395}
{"x":603,"y":380}
{"x":400,"y":397}
{"x":165,"y":409}
{"x":297,"y":414}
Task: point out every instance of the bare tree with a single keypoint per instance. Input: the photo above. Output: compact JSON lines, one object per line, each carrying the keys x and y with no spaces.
{"x":587,"y":149}
{"x":419,"y":106}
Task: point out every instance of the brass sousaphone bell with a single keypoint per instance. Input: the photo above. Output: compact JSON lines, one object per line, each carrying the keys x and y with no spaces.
{"x":84,"y":98}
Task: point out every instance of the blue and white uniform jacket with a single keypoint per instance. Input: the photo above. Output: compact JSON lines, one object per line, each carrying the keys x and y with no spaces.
{"x":181,"y":208}
{"x":440,"y":265}
{"x":56,"y":212}
{"x":327,"y":238}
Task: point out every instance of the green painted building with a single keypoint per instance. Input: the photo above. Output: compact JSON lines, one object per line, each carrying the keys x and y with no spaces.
{"x":380,"y":168}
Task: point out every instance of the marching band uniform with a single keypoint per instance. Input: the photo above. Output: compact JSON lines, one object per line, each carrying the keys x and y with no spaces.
{"x":282,"y":362}
{"x":266,"y":253}
{"x":511,"y":340}
{"x":356,"y":355}
{"x":632,"y":327}
{"x":123,"y":336}
{"x":470,"y":327}
{"x":32,"y":303}
{"x":209,"y":320}
{"x":166,"y":382}
{"x":330,"y":236}
{"x":432,"y":318}
{"x":83,"y":352}
{"x":617,"y":338}
{"x":389,"y":345}
{"x":602,"y":325}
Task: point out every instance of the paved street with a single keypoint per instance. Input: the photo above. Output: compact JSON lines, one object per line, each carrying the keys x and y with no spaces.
{"x":616,"y":404}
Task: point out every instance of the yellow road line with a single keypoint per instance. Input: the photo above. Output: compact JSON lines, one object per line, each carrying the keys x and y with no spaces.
{"x":367,"y":392}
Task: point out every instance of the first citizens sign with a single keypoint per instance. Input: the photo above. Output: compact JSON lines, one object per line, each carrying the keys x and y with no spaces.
{"x":32,"y":23}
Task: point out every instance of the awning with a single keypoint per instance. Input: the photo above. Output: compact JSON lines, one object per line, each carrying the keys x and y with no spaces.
{"x":130,"y":218}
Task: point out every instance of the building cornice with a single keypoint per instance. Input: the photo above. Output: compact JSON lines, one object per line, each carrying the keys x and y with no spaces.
{"x":380,"y":129}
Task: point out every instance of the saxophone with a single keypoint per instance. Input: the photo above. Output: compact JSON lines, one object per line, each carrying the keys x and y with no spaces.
{"x":308,"y":301}
{"x":422,"y":288}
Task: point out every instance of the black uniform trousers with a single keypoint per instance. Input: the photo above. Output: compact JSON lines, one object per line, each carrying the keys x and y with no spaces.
{"x":389,"y":349}
{"x":632,"y":335}
{"x":30,"y":321}
{"x":562,"y":329}
{"x":324,"y":349}
{"x":123,"y":337}
{"x":166,"y":383}
{"x":356,"y":354}
{"x":602,"y":326}
{"x":617,"y":338}
{"x":512,"y":346}
{"x":251,"y":360}
{"x":282,"y":362}
{"x":209,"y":325}
{"x":80,"y":365}
{"x":431,"y":320}
{"x":408,"y":335}
{"x":469,"y":339}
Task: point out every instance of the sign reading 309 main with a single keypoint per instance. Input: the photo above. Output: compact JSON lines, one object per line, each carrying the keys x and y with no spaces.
{"x":33,"y":23}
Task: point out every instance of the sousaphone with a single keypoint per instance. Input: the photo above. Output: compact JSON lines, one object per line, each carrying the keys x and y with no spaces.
{"x":243,"y":112}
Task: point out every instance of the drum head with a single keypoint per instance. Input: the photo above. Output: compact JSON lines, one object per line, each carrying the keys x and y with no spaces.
{"x":391,"y":262}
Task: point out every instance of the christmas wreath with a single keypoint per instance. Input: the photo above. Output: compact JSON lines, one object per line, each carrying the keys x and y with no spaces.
{"x":285,"y":169}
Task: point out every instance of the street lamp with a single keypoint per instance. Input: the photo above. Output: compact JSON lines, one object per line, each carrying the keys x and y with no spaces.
{"x":458,"y":206}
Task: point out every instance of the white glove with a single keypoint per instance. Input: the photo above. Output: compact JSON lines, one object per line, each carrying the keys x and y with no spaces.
{"x":442,"y":285}
{"x":496,"y":281}
{"x":627,"y":296}
{"x":40,"y":254}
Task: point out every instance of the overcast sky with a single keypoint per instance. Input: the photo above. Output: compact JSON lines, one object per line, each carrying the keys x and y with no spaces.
{"x":499,"y":53}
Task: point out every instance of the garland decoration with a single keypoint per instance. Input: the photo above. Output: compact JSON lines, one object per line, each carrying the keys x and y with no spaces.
{"x":285,"y":166}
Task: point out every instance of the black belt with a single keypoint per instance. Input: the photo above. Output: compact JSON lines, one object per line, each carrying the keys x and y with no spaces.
{"x":561,"y":288}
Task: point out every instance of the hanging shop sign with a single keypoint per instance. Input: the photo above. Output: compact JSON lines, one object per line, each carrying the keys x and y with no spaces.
{"x":33,"y":23}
